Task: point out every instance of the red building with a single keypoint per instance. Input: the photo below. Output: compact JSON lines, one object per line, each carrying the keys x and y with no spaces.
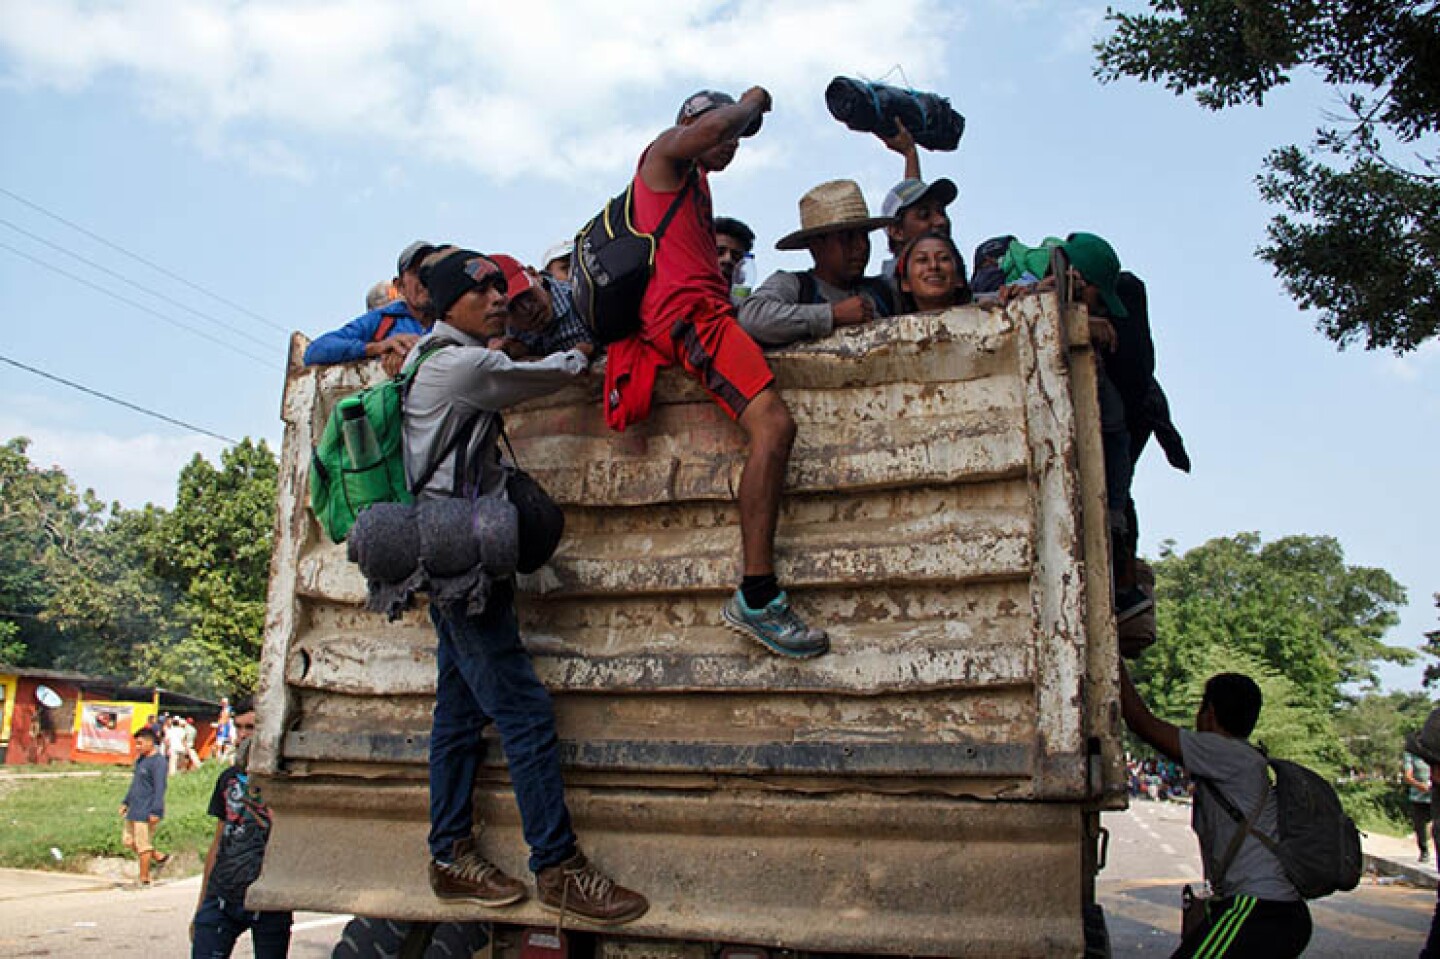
{"x":48,"y":716}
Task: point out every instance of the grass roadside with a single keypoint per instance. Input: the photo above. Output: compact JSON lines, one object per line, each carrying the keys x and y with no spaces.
{"x":80,"y":817}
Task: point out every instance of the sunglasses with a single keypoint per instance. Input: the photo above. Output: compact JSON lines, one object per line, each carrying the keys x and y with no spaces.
{"x":485,"y":271}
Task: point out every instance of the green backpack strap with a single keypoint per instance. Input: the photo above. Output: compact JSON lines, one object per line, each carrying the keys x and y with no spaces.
{"x":403,"y":381}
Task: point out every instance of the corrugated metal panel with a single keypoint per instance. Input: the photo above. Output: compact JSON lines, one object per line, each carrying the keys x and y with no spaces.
{"x":933,"y":522}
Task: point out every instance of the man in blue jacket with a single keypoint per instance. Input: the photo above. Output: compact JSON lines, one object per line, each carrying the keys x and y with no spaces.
{"x":144,"y":804}
{"x":387,"y":332}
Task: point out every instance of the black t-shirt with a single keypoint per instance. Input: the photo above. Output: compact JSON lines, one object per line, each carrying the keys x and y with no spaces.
{"x":237,"y":803}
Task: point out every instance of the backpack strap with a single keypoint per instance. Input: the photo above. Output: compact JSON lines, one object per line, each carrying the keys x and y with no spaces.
{"x":882,"y":294}
{"x":879,"y":291}
{"x":383,"y":328}
{"x":1246,"y":824}
{"x":809,"y":289}
{"x":458,"y":443}
{"x":690,"y":180}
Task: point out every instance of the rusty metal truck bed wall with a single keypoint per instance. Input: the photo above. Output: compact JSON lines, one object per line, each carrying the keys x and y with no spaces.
{"x":942,"y":503}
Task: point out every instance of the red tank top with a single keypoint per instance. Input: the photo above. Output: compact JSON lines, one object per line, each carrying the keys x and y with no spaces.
{"x":687,"y":268}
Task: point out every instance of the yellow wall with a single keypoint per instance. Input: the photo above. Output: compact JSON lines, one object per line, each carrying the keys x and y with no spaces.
{"x":12,"y":686}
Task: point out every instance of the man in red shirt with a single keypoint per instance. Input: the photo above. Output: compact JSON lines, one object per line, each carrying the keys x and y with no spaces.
{"x":687,"y":318}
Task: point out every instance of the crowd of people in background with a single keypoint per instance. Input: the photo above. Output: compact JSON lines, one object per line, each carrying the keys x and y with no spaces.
{"x":1157,"y":778}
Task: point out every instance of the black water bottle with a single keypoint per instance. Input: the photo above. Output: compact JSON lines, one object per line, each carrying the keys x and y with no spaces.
{"x":361,"y":443}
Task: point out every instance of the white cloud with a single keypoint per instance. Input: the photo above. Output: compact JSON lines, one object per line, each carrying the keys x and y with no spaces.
{"x":131,"y":469}
{"x":555,"y":89}
{"x":1412,"y":366}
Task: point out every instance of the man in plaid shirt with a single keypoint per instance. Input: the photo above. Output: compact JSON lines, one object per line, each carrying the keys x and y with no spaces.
{"x":542,"y":312}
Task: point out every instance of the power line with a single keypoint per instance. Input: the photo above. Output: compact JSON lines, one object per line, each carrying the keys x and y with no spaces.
{"x":148,"y":310}
{"x":224,"y":324}
{"x":140,"y":259}
{"x":117,"y":401}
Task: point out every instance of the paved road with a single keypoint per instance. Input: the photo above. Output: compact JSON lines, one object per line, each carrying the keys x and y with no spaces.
{"x":47,"y":914}
{"x":1152,"y":854}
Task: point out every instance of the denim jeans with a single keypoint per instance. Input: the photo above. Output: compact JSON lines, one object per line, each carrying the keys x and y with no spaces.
{"x":485,"y":675}
{"x":219,"y":922}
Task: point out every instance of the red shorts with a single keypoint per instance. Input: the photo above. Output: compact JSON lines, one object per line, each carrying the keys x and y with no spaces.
{"x":709,"y":344}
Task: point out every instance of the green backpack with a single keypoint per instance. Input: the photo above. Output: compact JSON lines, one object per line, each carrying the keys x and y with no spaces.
{"x":340,"y":487}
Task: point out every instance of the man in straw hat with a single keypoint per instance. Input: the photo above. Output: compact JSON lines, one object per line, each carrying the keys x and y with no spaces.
{"x":835,"y":226}
{"x":687,"y":318}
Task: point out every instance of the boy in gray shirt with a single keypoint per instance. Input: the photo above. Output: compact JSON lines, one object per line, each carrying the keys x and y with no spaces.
{"x":1256,"y":910}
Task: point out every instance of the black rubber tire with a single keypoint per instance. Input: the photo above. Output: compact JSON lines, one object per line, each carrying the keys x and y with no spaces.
{"x":366,"y":938}
{"x":458,"y":940}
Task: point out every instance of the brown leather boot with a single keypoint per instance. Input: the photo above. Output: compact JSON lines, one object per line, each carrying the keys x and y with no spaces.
{"x":470,"y":877}
{"x":575,"y":887}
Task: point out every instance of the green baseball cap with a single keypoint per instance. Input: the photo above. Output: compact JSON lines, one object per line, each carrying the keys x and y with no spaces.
{"x":1097,"y":262}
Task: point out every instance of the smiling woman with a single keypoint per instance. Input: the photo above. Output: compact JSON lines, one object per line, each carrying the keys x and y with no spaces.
{"x":931,"y":273}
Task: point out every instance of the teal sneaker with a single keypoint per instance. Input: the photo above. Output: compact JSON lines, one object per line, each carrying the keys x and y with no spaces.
{"x":776,"y":627}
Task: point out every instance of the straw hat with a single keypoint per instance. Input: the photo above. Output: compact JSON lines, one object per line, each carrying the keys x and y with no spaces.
{"x":829,"y":208}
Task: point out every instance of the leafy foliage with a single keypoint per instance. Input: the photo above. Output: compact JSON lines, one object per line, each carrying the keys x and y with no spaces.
{"x":1293,"y":616}
{"x":1431,"y":647}
{"x":1374,"y":215}
{"x":214,"y":547}
{"x":44,"y":523}
{"x":1374,"y":727}
{"x":1293,"y":605}
{"x":171,"y":598}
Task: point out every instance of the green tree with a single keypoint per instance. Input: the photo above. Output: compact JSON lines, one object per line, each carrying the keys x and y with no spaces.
{"x":1373,"y":728}
{"x":43,"y":524}
{"x":108,"y":598}
{"x":214,"y":547}
{"x":1431,"y":647}
{"x":1359,"y":236}
{"x":1292,"y":605}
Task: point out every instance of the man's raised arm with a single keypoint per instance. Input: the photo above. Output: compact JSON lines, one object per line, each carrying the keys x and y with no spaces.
{"x":1145,"y":724}
{"x":672,"y":151}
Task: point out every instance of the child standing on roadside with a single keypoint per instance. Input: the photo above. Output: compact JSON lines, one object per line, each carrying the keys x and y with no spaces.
{"x":144,"y":804}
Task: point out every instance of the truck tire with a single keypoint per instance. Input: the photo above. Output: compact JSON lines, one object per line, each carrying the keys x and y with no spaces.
{"x":365,"y":938}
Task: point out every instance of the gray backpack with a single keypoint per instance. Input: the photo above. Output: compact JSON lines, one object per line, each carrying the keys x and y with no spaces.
{"x":1319,"y":846}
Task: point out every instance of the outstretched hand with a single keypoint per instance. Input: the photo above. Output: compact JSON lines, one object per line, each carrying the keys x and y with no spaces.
{"x":392,"y":351}
{"x":760,"y":95}
{"x":902,"y":141}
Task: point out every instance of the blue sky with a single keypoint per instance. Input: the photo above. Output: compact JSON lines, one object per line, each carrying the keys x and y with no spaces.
{"x":280,"y":154}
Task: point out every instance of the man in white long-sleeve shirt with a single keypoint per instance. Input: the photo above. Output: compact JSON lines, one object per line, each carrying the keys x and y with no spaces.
{"x":484,"y":672}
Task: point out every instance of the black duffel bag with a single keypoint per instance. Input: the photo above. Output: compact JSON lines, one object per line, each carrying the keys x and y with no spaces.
{"x":874,"y":107}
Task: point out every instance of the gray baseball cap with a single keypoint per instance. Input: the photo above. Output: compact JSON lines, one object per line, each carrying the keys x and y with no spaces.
{"x":908,"y":192}
{"x":411,"y":256}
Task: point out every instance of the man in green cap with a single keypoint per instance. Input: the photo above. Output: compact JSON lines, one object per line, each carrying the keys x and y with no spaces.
{"x":1132,"y":404}
{"x":1132,"y":407}
{"x":1095,"y":269}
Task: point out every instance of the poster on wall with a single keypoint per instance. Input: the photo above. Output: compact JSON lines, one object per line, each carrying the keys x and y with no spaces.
{"x":105,"y":728}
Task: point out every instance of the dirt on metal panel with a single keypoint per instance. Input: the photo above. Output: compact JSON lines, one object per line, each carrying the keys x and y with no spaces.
{"x":940,"y":520}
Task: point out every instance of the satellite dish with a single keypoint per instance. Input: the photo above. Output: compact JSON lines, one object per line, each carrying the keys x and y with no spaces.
{"x":48,"y":697}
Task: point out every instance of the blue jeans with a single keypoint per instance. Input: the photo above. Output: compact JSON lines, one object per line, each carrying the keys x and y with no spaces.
{"x":485,"y":675}
{"x":219,"y":922}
